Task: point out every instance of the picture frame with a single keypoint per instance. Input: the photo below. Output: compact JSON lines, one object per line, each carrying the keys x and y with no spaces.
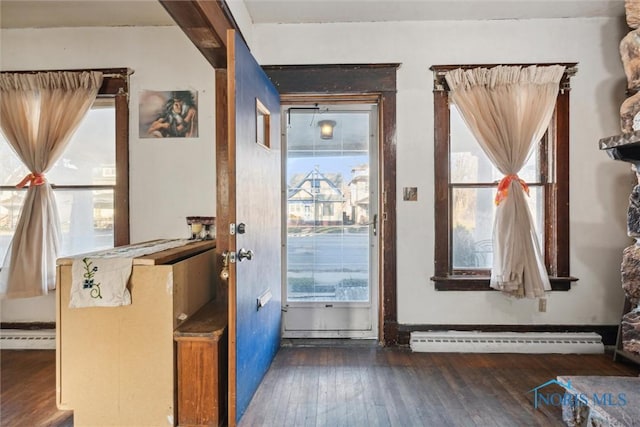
{"x":168,"y":114}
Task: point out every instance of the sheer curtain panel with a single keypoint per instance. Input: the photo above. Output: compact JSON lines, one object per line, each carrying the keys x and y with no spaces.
{"x":508,"y":109}
{"x":38,"y":114}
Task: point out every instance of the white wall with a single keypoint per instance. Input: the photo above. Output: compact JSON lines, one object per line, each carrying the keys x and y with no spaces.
{"x":169,"y":178}
{"x":173,"y":179}
{"x":243,"y":19}
{"x":599,"y":186}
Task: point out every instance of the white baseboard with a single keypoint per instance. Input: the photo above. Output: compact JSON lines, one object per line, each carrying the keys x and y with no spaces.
{"x":16,"y":339}
{"x":506,"y":342}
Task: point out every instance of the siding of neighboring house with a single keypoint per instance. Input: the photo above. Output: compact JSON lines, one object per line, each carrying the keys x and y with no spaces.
{"x":316,"y":198}
{"x":359,"y":194}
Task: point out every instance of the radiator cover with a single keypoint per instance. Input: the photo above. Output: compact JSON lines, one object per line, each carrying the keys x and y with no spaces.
{"x":16,"y":339}
{"x":506,"y":342}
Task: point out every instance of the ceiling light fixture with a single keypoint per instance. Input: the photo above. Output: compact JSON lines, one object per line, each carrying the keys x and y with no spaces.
{"x":326,"y":128}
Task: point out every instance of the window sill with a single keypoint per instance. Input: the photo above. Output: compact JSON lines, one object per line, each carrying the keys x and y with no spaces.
{"x":481,"y":283}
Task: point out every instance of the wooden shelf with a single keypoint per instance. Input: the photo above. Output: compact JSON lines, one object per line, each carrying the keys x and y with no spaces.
{"x":208,"y":322}
{"x":201,"y":353}
{"x":167,"y":256}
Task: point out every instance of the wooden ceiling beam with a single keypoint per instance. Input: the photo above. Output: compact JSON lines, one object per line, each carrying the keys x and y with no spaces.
{"x":205,"y":22}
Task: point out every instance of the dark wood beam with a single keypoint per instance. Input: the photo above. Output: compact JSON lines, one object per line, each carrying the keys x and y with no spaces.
{"x":205,"y":22}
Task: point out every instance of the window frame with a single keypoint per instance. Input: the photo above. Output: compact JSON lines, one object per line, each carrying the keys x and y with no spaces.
{"x":555,"y":178}
{"x":115,"y":84}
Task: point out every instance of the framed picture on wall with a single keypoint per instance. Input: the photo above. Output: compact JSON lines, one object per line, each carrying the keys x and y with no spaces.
{"x":168,"y":114}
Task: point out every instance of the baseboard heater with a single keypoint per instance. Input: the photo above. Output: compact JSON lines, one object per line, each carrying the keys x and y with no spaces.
{"x":15,"y":339}
{"x":506,"y":342}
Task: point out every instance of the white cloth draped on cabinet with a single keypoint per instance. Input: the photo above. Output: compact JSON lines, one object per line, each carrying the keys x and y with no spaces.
{"x":508,"y":109}
{"x":38,"y":114}
{"x":100,"y":279}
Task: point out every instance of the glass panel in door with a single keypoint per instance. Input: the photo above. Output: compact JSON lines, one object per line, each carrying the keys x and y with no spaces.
{"x":330,"y":208}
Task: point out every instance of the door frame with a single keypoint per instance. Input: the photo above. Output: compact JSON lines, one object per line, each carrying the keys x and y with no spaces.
{"x":292,"y":101}
{"x":298,"y":83}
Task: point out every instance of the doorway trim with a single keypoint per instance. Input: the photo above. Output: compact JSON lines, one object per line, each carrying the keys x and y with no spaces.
{"x":337,"y":104}
{"x":302,"y":83}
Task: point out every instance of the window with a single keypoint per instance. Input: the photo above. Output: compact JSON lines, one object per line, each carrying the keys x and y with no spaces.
{"x":263,"y":124}
{"x":90,"y":180}
{"x":466,"y":183}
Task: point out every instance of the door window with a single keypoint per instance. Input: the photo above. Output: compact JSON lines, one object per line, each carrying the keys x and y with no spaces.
{"x":327,"y":184}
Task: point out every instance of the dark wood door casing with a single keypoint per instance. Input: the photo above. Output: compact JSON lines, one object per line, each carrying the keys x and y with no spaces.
{"x":342,"y":83}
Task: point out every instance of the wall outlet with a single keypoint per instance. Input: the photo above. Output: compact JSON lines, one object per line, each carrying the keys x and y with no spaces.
{"x":542,"y":305}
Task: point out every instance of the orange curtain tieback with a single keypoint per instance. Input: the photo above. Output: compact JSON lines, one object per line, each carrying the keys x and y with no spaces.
{"x":32,"y":179}
{"x":503,"y":187}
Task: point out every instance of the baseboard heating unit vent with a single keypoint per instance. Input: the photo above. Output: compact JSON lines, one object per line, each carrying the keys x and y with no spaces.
{"x":506,"y":342}
{"x":14,"y":339}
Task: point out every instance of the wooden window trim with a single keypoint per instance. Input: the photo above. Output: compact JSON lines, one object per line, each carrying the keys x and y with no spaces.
{"x":556,"y":191}
{"x":121,"y":192}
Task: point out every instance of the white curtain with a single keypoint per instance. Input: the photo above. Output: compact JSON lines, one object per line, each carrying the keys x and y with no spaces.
{"x":508,"y":109}
{"x":38,"y":114}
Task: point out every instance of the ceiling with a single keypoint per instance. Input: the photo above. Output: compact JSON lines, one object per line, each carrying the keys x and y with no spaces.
{"x":87,"y":13}
{"x":293,"y":11}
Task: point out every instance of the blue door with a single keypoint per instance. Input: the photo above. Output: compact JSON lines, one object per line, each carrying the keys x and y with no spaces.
{"x":254,"y":173}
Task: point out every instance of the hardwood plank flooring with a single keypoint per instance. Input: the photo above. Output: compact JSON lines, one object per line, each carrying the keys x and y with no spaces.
{"x":372,"y":386}
{"x":28,"y":385}
{"x":351,"y":386}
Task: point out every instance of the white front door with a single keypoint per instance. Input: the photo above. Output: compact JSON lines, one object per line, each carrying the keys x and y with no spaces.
{"x":330,"y":205}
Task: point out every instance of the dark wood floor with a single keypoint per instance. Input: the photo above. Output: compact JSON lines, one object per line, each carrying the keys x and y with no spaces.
{"x":321,"y":386}
{"x":28,"y":384}
{"x":351,"y":386}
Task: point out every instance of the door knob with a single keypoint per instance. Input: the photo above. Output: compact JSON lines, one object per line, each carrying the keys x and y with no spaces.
{"x":245,"y":254}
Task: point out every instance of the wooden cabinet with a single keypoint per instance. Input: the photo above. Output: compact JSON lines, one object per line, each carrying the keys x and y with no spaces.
{"x":202,"y":367}
{"x":116,"y":365}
